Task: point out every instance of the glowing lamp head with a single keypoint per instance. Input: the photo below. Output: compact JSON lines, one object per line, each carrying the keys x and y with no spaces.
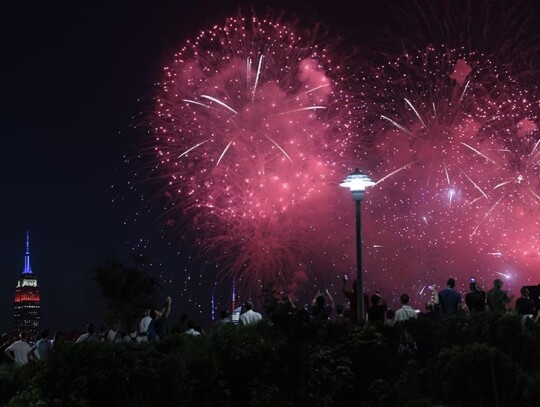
{"x":357,"y":182}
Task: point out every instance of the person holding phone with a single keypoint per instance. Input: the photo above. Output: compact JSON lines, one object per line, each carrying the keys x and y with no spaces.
{"x":321,"y":309}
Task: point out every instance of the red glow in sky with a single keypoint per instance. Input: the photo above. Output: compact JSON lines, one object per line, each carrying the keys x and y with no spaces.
{"x":255,"y":127}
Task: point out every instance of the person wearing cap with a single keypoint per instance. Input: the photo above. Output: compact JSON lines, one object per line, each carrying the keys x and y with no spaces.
{"x":249,"y":316}
{"x":497,"y":298}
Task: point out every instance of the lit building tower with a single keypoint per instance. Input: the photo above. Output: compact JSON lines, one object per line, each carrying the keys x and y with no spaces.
{"x":27,"y":304}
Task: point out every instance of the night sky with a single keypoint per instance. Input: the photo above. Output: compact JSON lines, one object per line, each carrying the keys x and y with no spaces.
{"x":75,"y":79}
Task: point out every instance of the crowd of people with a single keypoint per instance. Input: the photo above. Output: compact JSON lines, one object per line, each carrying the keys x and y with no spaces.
{"x":445,"y":302}
{"x":152,"y":327}
{"x":449,"y":301}
{"x":275,"y":304}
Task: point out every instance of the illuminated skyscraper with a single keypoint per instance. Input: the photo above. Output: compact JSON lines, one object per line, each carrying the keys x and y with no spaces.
{"x":27,"y":301}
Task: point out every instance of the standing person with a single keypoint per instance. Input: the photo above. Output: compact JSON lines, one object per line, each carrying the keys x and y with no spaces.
{"x":320,"y":308}
{"x":497,"y":298}
{"x":340,"y":314}
{"x":224,"y":319}
{"x":19,"y":350}
{"x":377,"y":309}
{"x":475,"y":299}
{"x":525,"y":305}
{"x":390,"y":317}
{"x":90,"y":335}
{"x":271,"y":302}
{"x":449,"y":299}
{"x":406,"y":311}
{"x":283,"y":310}
{"x":433,"y":307}
{"x":156,"y":328}
{"x":407,"y":342}
{"x":42,"y":347}
{"x":182,"y":326}
{"x":352,"y":296}
{"x":113,"y":334}
{"x":143,"y":326}
{"x":249,"y":316}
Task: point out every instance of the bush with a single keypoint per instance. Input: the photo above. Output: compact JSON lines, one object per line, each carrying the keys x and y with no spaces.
{"x":482,"y":360}
{"x":477,"y":375}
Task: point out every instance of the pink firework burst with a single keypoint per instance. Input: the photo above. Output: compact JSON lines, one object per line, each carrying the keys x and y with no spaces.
{"x":253,"y":131}
{"x":510,"y":220}
{"x":431,"y":114}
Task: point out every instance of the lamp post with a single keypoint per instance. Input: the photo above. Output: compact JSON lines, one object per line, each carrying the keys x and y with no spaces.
{"x":357,"y":182}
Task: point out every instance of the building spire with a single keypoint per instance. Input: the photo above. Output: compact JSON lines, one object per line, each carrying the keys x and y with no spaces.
{"x":27,"y":267}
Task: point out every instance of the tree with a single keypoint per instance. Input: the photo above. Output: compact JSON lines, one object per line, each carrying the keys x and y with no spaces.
{"x":128,"y":290}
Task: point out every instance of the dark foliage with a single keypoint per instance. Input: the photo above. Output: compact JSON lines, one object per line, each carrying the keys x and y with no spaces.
{"x":482,"y":360}
{"x":127,"y":289}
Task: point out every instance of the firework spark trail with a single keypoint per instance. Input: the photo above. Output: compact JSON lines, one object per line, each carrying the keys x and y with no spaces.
{"x":192,"y":148}
{"x":487,"y":215}
{"x":415,"y":112}
{"x":252,"y":163}
{"x":474,"y":183}
{"x":257,"y":77}
{"x":399,"y":126}
{"x":393,"y":173}
{"x":480,"y":154}
{"x":517,"y":181}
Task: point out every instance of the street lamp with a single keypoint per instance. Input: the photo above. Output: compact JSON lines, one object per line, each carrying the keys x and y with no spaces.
{"x":357,"y":182}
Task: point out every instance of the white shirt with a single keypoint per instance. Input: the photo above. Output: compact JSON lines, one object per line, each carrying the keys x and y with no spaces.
{"x":192,"y":332}
{"x":87,"y":337}
{"x":20,"y":350}
{"x":112,"y":336}
{"x":145,"y":322}
{"x":250,"y":317}
{"x":404,"y":313}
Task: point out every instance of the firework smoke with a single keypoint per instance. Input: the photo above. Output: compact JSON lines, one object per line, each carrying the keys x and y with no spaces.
{"x":254,"y":129}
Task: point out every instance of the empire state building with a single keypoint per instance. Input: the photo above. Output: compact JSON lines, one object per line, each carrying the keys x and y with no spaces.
{"x":27,"y":302}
